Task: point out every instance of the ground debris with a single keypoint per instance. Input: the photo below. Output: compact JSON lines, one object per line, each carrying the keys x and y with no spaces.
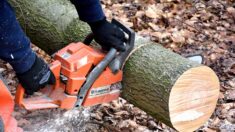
{"x":190,"y":27}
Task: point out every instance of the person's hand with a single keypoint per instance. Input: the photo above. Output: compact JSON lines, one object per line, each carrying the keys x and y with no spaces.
{"x":37,"y":77}
{"x":108,"y":35}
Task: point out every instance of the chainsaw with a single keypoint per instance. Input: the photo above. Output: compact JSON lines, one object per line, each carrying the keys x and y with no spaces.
{"x":85,"y":76}
{"x":7,"y":122}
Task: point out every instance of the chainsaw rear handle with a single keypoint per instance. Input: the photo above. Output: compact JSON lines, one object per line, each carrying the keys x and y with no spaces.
{"x":20,"y":91}
{"x":118,"y":62}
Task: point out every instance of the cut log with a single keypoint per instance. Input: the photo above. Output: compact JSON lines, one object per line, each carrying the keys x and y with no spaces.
{"x":170,"y":88}
{"x":174,"y":90}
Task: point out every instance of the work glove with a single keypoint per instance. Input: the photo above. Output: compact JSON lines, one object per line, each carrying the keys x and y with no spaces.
{"x":108,"y":35}
{"x":37,"y":77}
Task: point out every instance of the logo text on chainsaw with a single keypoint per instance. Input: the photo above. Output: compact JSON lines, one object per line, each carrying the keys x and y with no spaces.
{"x":101,"y":91}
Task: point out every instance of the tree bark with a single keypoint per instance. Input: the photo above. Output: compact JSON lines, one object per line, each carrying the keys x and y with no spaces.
{"x":172,"y":89}
{"x":50,"y":24}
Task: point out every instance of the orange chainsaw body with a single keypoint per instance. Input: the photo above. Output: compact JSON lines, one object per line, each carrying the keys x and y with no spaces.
{"x":6,"y":109}
{"x":71,"y":66}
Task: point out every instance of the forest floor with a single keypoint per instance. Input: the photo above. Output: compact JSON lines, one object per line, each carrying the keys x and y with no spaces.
{"x":185,"y":27}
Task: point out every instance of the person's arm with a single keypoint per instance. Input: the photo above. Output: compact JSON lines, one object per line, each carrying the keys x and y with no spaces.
{"x":33,"y":73}
{"x":14,"y":45}
{"x":89,"y":10}
{"x":105,"y":33}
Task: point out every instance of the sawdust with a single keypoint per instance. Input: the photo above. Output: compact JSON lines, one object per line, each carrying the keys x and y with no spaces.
{"x":55,"y":120}
{"x":73,"y":120}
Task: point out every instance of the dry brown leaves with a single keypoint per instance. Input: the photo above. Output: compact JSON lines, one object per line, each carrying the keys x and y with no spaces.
{"x":189,"y":27}
{"x":122,"y":116}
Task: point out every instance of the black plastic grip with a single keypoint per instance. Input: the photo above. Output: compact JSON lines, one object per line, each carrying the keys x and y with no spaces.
{"x":89,"y":38}
{"x":93,"y":75}
{"x":119,"y":60}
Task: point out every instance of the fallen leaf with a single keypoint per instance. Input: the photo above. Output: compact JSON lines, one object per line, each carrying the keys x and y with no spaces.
{"x":215,"y":123}
{"x":153,"y":12}
{"x":152,"y":124}
{"x":177,"y":37}
{"x":2,"y":70}
{"x":231,"y":11}
{"x":121,"y":113}
{"x":230,"y":95}
{"x":231,"y":116}
{"x":142,"y":129}
{"x":22,"y":122}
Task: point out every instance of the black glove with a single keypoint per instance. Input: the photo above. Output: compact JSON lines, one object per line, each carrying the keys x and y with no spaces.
{"x":108,"y":35}
{"x":37,"y":77}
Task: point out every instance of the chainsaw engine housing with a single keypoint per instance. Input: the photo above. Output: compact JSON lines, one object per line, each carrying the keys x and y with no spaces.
{"x":77,"y":60}
{"x":71,"y":66}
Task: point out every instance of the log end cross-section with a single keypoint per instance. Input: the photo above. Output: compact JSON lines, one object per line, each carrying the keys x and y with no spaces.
{"x":193,"y":98}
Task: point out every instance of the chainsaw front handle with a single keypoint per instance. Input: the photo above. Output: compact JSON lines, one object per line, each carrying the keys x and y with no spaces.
{"x":119,"y":60}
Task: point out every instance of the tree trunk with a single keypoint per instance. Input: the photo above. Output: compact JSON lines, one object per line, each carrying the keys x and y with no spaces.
{"x":172,"y":89}
{"x":50,"y":24}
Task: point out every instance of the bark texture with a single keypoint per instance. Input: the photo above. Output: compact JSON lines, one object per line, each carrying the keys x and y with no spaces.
{"x":149,"y":74}
{"x":50,"y":24}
